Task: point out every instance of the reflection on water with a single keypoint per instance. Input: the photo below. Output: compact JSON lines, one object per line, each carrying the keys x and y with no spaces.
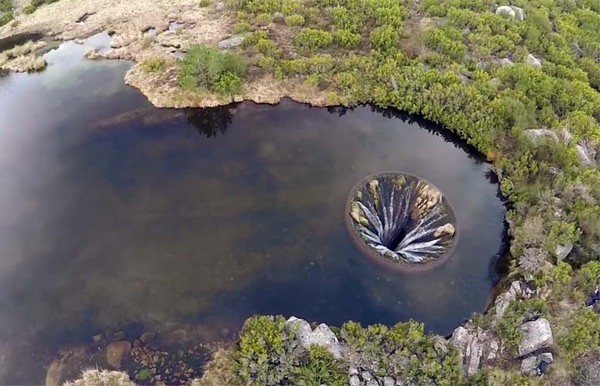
{"x":116,"y":213}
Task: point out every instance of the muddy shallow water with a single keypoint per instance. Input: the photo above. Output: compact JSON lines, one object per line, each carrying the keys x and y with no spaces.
{"x":115,"y":213}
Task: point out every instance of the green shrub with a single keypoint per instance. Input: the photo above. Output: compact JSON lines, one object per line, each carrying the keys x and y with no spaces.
{"x":347,"y":39}
{"x":320,"y":369}
{"x":241,"y":26}
{"x":384,"y":39}
{"x":265,"y":354}
{"x":263,"y":19}
{"x":583,"y":334}
{"x":206,"y":67}
{"x":205,"y":3}
{"x":294,"y":20}
{"x":153,"y":64}
{"x":8,"y":16}
{"x":310,"y":39}
{"x":266,"y":47}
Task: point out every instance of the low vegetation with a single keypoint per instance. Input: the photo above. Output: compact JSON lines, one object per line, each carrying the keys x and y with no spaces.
{"x":207,"y":68}
{"x":35,"y":4}
{"x":6,"y":11}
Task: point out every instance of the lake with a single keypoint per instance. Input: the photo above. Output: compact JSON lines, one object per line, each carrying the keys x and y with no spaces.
{"x":117,"y":214}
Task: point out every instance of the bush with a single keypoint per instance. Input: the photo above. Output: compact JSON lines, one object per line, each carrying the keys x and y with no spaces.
{"x":265,"y":354}
{"x":346,"y":39}
{"x":320,"y":369}
{"x":204,"y":3}
{"x":266,"y":47}
{"x":310,"y":39}
{"x":583,"y":334}
{"x":384,"y":39}
{"x":205,"y":67}
{"x":294,"y":20}
{"x":153,"y":64}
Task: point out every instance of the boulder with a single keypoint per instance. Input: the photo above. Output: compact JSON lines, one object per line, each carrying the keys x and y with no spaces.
{"x":321,"y":336}
{"x":538,"y":133}
{"x":506,"y":10}
{"x":278,"y":17}
{"x":514,"y":13}
{"x":533,"y":61}
{"x":536,"y":335}
{"x":475,"y":346}
{"x":536,"y":365}
{"x":232,"y":42}
{"x":116,"y":352}
{"x":354,"y":380}
{"x":562,"y":251}
{"x":389,"y":381}
{"x":516,"y":290}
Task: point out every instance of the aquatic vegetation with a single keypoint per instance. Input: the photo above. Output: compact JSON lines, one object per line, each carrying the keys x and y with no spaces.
{"x":403,"y":219}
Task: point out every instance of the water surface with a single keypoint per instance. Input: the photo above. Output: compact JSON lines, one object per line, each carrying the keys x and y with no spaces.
{"x":116,"y":213}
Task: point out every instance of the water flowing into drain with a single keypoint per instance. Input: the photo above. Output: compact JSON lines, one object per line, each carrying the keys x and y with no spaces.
{"x":402,"y":219}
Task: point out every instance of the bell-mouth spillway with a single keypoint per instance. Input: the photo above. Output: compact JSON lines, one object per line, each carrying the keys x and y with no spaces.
{"x":401,"y":221}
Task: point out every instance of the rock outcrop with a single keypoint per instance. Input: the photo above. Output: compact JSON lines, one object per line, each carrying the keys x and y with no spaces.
{"x":321,"y":336}
{"x":232,"y":42}
{"x":476,"y":346}
{"x":536,"y":365}
{"x":533,"y":61}
{"x":536,"y":335}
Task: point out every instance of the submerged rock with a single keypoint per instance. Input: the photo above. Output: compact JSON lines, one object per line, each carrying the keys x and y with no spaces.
{"x":321,"y":336}
{"x":536,"y":335}
{"x":116,"y":352}
{"x":476,"y":346}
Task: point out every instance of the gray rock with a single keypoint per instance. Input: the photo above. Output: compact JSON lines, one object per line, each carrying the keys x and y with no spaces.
{"x":220,"y":6}
{"x":538,"y":133}
{"x":506,"y":10}
{"x":513,"y":12}
{"x":536,"y":335}
{"x":278,"y":17}
{"x":366,"y":376}
{"x":354,"y":380}
{"x":563,"y":251}
{"x":232,"y":42}
{"x":505,"y":62}
{"x":529,"y":366}
{"x":475,"y":346}
{"x":519,"y":12}
{"x":321,"y":336}
{"x":372,"y":382}
{"x":353,"y":371}
{"x":533,"y":61}
{"x":389,"y":381}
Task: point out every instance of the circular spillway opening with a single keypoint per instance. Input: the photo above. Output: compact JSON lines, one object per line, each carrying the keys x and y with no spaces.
{"x":402,"y":221}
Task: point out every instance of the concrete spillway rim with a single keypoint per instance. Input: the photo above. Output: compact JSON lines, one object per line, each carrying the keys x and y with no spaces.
{"x":376,"y":257}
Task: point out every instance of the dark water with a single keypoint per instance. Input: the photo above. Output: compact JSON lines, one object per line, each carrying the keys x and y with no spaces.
{"x":116,"y":213}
